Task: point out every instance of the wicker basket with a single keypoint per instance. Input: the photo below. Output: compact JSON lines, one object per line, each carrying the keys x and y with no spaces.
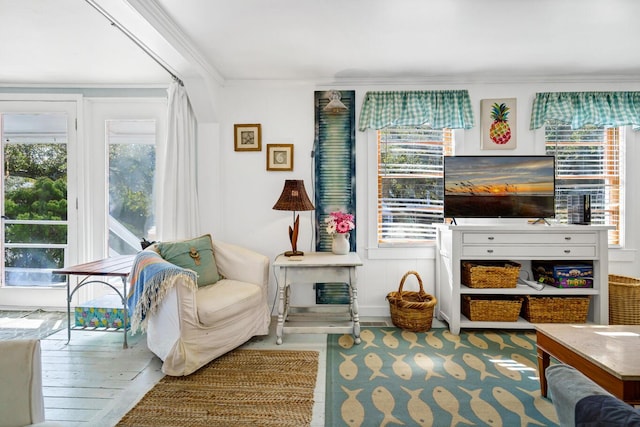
{"x":412,"y":311}
{"x":491,"y":308}
{"x":490,"y":274}
{"x":624,"y":300}
{"x":556,"y":309}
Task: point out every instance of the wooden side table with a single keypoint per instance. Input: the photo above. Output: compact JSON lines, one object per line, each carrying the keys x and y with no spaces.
{"x":119,"y":266}
{"x":317,"y":267}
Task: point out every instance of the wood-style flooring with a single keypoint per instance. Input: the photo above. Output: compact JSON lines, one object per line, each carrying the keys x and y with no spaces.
{"x":93,"y":381}
{"x":30,"y":324}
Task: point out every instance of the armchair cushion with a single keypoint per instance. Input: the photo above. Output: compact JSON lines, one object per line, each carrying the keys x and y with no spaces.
{"x":194,"y":254}
{"x":226,"y":300}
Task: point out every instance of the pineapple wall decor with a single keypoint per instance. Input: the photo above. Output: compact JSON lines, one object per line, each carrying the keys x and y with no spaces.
{"x":498,"y":124}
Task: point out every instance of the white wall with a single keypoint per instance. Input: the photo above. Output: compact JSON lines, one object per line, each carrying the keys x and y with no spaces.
{"x":240,"y":210}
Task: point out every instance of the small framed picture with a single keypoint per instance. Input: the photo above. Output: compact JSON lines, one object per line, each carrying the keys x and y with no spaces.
{"x":279,"y":157}
{"x":247,"y":138}
{"x":498,"y":124}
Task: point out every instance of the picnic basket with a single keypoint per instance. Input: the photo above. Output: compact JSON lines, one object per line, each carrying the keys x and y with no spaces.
{"x":410,"y":310}
{"x":624,"y":300}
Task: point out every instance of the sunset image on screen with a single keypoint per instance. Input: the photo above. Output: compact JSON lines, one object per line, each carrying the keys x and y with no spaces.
{"x":504,"y":185}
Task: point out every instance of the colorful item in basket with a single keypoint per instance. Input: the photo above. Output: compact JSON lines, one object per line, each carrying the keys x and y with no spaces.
{"x":563,"y":275}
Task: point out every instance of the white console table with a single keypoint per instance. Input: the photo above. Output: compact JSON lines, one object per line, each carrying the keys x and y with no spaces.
{"x":317,"y":267}
{"x":521,"y":243}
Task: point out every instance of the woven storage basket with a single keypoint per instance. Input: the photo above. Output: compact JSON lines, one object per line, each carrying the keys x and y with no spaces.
{"x":412,"y":311}
{"x":491,"y":308}
{"x":490,"y":274}
{"x":556,"y":309}
{"x":624,"y":300}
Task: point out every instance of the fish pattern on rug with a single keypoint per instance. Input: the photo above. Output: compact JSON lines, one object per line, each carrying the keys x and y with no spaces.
{"x":435,"y":378}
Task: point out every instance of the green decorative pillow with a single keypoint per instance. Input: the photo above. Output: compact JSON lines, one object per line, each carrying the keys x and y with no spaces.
{"x":195,"y":254}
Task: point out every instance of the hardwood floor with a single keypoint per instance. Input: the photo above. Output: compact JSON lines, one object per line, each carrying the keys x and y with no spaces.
{"x":93,"y":381}
{"x":30,"y":324}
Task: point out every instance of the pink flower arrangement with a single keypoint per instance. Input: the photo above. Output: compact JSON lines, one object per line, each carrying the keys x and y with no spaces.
{"x":339,"y":222}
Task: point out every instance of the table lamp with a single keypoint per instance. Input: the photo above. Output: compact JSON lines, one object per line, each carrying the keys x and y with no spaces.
{"x":294,"y":198}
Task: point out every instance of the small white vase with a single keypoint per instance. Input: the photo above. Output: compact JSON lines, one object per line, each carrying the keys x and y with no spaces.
{"x":340,"y":244}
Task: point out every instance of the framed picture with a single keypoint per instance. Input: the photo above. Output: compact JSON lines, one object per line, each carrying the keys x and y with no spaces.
{"x":498,"y":124}
{"x":279,"y":157}
{"x":247,"y":138}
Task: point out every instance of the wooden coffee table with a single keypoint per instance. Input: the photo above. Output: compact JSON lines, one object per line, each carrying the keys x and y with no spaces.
{"x":608,"y":355}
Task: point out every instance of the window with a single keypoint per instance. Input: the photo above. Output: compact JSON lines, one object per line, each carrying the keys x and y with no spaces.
{"x":589,"y":161}
{"x":410,"y":173}
{"x":132,"y":161}
{"x":121,"y":189}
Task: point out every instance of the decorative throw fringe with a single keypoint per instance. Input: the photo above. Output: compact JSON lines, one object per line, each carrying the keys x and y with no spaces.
{"x":152,"y":279}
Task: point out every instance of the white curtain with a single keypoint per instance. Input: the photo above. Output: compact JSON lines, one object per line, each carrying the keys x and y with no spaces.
{"x":178,"y":216}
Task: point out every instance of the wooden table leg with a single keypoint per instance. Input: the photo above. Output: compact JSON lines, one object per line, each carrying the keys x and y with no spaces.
{"x":543,"y":364}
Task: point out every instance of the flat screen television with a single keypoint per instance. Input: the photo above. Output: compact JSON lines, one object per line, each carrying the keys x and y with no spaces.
{"x":499,"y":187}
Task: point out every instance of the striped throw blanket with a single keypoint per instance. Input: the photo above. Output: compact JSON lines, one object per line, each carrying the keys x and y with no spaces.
{"x":151,"y":278}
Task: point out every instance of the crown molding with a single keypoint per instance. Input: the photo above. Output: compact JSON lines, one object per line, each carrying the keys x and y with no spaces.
{"x":449,"y":80}
{"x":80,"y":86}
{"x":153,"y":13}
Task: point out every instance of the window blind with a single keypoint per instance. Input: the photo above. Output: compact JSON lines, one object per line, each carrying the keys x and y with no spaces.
{"x":588,"y":161}
{"x":410,"y":174}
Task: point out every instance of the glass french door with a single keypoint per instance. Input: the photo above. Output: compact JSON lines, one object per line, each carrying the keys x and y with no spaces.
{"x":38,"y":203}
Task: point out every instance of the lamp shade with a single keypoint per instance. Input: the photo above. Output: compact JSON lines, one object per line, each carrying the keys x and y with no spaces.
{"x":335,"y":105}
{"x":294,"y":197}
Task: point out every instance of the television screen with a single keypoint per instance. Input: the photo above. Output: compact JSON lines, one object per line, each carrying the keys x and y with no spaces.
{"x":499,"y":187}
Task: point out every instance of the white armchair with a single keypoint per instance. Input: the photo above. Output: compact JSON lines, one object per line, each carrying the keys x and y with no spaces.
{"x":192,"y":327}
{"x":21,"y":401}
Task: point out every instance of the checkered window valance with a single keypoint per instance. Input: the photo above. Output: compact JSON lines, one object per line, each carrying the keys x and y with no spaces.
{"x":436,"y":109}
{"x":607,"y":109}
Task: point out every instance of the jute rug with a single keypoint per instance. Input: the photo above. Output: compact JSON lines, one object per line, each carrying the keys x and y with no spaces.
{"x":241,"y":388}
{"x":396,"y":377}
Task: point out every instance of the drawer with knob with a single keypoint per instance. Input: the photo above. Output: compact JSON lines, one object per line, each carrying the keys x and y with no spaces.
{"x":529,"y":238}
{"x":531,"y":251}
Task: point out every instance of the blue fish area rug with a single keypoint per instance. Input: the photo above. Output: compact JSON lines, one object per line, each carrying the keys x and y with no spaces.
{"x":435,"y":378}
